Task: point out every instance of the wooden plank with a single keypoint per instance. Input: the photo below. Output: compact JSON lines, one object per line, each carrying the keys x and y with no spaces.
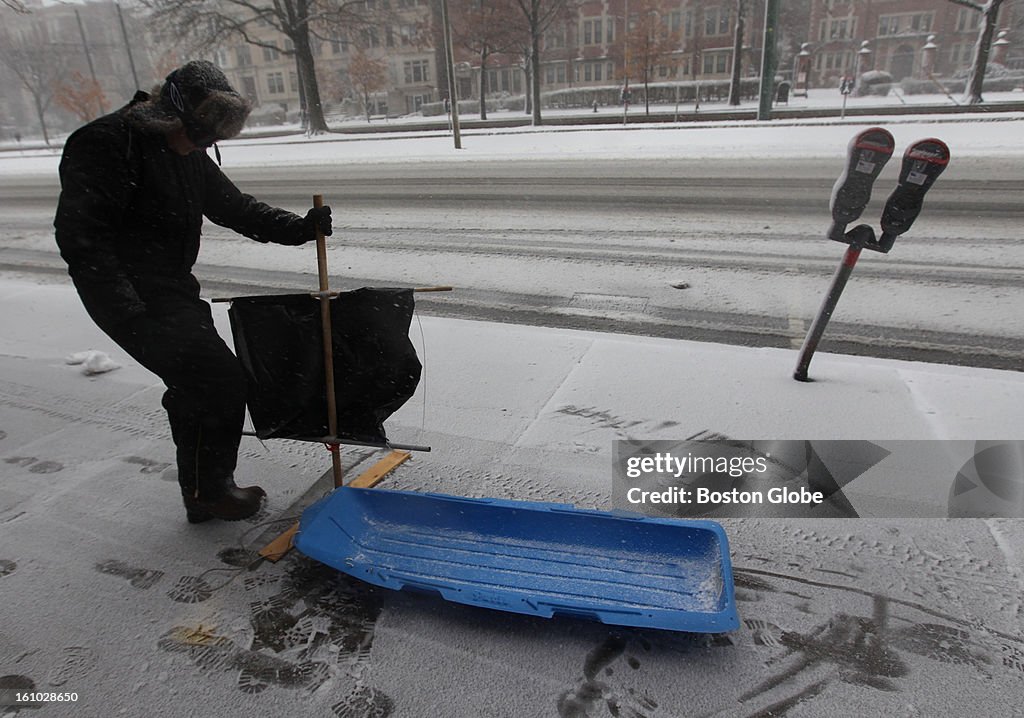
{"x":376,"y":473}
{"x":276,"y":549}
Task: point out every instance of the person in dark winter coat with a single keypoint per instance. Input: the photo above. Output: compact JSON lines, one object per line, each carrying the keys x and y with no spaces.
{"x":135,"y":186}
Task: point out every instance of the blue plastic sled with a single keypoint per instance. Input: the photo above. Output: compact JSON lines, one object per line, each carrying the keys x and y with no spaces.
{"x":535,"y":558}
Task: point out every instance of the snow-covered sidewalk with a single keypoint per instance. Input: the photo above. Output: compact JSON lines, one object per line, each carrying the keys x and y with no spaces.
{"x":110,"y":594}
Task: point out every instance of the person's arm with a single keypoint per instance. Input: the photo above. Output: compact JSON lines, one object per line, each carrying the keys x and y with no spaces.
{"x":97,"y":182}
{"x":226,"y":205}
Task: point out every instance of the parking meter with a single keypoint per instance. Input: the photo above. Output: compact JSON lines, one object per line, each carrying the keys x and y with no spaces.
{"x":866,"y":156}
{"x":923,"y":162}
{"x":868,"y":152}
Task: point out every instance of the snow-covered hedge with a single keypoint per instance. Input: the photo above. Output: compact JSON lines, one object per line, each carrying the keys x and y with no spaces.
{"x":874,"y":82}
{"x":469,"y":107}
{"x":611,"y":96}
{"x":661,"y":93}
{"x":1006,"y":83}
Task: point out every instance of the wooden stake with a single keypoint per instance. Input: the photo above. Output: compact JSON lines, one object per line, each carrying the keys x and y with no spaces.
{"x":325,"y":320}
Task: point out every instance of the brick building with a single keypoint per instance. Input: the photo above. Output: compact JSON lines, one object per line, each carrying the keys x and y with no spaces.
{"x":588,"y":47}
{"x":896,"y":33}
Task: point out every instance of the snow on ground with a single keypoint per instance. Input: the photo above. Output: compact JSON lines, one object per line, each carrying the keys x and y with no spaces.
{"x":970,"y":135}
{"x":109,"y":593}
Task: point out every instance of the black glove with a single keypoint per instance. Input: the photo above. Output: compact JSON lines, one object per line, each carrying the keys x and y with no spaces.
{"x":318,"y":218}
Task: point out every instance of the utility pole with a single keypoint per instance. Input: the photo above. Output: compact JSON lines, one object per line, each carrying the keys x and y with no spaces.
{"x":88,"y":57}
{"x":737,"y":54}
{"x":128,"y":46}
{"x":769,"y":59}
{"x":453,"y":101}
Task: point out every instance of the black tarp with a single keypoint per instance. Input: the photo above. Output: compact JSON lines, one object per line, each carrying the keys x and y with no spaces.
{"x":279,"y":341}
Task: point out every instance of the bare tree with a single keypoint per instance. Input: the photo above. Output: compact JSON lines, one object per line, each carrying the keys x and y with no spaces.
{"x":15,"y":5}
{"x":486,"y":28}
{"x":82,"y":96}
{"x":650,"y":40}
{"x":982,"y":48}
{"x":368,"y":75}
{"x":539,"y":14}
{"x":37,"y":66}
{"x":203,"y":23}
{"x":737,"y":53}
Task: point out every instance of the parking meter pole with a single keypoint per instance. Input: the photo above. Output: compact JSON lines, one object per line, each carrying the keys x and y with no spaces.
{"x":866,"y":155}
{"x":868,"y":152}
{"x":817,"y":329}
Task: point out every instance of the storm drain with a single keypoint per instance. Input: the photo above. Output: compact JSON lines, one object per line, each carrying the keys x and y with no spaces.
{"x":608,"y":303}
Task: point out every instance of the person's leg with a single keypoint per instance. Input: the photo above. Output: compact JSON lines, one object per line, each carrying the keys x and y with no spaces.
{"x":205,"y":403}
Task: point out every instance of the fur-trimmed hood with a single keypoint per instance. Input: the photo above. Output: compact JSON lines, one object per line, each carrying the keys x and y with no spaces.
{"x":196,"y":96}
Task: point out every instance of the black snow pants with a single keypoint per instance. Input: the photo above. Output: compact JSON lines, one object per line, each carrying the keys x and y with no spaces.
{"x":205,"y":398}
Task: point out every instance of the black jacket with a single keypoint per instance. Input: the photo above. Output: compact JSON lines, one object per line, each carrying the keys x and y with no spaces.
{"x":131,"y":212}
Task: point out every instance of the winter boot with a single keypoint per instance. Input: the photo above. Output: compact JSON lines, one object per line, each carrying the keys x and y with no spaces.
{"x":228,"y":503}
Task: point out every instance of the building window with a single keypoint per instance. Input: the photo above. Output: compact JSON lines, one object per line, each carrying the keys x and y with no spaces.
{"x":416,"y":71}
{"x":554,"y":39}
{"x":370,"y":38}
{"x":293,"y":82}
{"x":275,"y":83}
{"x":907,"y":23}
{"x":270,"y":54}
{"x":967,"y":20}
{"x":716,"y":21}
{"x":339,"y":45}
{"x":220,"y":58}
{"x":833,"y":61}
{"x":592,"y":32}
{"x":961,"y":54}
{"x":244,"y":56}
{"x":716,"y":63}
{"x":414,"y":103}
{"x":842,"y":28}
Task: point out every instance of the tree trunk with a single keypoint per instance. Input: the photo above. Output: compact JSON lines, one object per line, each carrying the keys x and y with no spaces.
{"x":528,"y":91}
{"x":647,"y":92}
{"x":307,"y":76}
{"x":41,"y":114}
{"x":976,"y":78}
{"x":303,"y":113}
{"x":737,"y":54}
{"x":297,"y":14}
{"x":483,"y":84}
{"x":535,"y":72}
